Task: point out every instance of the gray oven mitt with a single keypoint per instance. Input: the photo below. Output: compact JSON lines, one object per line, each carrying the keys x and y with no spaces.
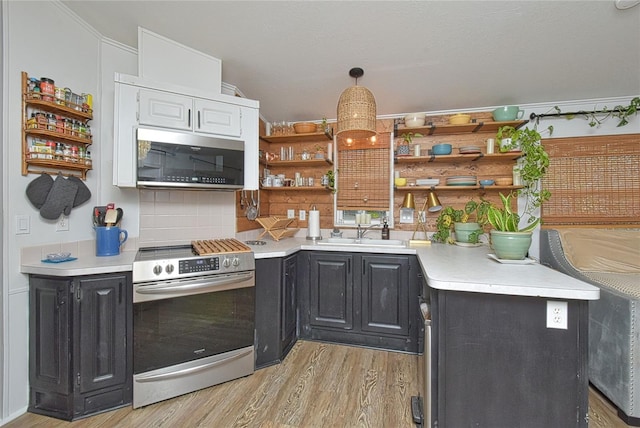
{"x":38,"y":190}
{"x":60,"y":198}
{"x":83,"y":195}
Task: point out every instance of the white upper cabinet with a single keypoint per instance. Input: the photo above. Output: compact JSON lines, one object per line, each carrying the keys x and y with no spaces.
{"x":217,"y":118}
{"x":167,"y":110}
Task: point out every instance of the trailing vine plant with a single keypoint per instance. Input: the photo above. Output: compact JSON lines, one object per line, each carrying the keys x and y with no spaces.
{"x":597,"y":117}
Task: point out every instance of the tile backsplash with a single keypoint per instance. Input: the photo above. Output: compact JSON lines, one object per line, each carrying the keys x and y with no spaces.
{"x":171,"y":217}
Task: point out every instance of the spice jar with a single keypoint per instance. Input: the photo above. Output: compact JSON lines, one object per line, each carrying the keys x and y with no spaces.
{"x":74,"y":154}
{"x":47,"y":88}
{"x":59,"y":155}
{"x":66,"y":153}
{"x":87,"y":159}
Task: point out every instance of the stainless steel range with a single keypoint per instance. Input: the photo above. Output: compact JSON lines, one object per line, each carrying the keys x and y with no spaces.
{"x":193,"y":323}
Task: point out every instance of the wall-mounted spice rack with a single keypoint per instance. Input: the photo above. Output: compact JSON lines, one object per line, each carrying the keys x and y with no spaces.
{"x":55,"y":130}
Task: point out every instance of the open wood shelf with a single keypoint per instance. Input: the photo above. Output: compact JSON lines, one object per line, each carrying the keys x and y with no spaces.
{"x":476,"y":187}
{"x":494,"y":157}
{"x":309,"y":162}
{"x":296,"y":138}
{"x":446,"y":129}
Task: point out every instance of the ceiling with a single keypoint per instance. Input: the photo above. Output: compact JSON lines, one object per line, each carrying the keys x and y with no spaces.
{"x":294,"y":56}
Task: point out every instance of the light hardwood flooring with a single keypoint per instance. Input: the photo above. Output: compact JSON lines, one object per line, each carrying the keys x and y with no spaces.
{"x":318,"y":385}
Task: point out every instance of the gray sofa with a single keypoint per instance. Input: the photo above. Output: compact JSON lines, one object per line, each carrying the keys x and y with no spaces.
{"x":609,"y":259}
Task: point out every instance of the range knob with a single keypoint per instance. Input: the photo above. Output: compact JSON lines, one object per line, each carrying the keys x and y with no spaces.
{"x":157,"y":269}
{"x":226,"y":262}
{"x":168,"y":268}
{"x":236,"y":261}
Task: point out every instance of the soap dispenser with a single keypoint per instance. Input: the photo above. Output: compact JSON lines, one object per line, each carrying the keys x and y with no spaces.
{"x":385,"y":230}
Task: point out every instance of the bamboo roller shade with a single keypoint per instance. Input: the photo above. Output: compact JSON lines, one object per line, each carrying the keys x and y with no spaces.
{"x":369,"y":168}
{"x":593,"y":180}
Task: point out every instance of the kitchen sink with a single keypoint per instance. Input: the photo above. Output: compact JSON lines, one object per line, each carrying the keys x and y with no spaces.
{"x":364,"y":242}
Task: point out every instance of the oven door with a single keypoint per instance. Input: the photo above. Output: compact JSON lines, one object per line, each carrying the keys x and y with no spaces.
{"x":191,"y":334}
{"x":216,"y":317}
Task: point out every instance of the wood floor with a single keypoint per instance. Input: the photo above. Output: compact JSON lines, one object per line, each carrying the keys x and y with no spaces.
{"x":318,"y":385}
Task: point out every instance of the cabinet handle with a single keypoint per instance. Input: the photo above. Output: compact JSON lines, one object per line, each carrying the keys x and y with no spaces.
{"x":198,"y":119}
{"x":60,"y":297}
{"x":189,"y":117}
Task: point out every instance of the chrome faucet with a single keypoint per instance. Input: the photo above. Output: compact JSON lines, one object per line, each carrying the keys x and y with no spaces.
{"x":361,"y":231}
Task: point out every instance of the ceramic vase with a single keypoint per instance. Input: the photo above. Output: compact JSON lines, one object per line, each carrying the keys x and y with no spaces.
{"x":510,"y":245}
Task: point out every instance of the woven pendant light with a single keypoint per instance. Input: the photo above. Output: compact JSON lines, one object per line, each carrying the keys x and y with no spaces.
{"x":356,"y":110}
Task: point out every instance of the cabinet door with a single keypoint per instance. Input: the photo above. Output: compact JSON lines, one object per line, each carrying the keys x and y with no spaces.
{"x":166,"y":110}
{"x":331,"y":290}
{"x":289,"y":303}
{"x":385,"y":294}
{"x":49,"y":340}
{"x":214,"y":117}
{"x":103,"y":321}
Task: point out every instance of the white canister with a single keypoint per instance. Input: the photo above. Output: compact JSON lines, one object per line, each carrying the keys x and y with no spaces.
{"x":491,"y":146}
{"x":277,"y":182}
{"x":416,"y":150}
{"x":267,"y":182}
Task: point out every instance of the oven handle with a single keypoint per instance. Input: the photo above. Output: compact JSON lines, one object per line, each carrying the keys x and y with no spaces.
{"x":211,"y":283}
{"x":179,"y":373}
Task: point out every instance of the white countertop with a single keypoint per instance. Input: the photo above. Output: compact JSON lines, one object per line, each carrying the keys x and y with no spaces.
{"x":447,"y":267}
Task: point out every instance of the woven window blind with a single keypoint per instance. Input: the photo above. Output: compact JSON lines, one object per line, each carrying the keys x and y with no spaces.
{"x":364,"y":174}
{"x":593,"y":180}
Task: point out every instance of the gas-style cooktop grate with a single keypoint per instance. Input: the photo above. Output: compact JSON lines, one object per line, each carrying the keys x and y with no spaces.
{"x":219,"y":246}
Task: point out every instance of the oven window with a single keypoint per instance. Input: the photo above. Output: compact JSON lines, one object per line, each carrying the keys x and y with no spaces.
{"x":173,"y":331}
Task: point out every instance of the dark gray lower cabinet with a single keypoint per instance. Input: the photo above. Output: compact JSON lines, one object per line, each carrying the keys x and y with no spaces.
{"x":276,"y":308}
{"x":80,"y":344}
{"x":360,"y":299}
{"x":497,"y":365}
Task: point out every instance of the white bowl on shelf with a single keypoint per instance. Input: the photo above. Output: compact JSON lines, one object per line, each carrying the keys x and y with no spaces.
{"x":414,"y":120}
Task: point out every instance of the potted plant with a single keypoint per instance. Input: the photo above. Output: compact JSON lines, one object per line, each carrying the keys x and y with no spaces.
{"x":407,"y":139}
{"x":508,"y":240}
{"x":467,"y":223}
{"x":319,"y":152}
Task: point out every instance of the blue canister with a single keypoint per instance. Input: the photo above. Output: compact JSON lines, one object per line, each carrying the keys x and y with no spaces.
{"x":109,"y":239}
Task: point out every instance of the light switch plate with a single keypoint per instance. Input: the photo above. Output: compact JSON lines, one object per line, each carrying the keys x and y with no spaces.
{"x":23,"y":225}
{"x":291,"y":213}
{"x":302,"y":215}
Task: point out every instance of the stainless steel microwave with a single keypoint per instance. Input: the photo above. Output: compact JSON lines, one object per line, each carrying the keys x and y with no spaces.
{"x":168,"y":159}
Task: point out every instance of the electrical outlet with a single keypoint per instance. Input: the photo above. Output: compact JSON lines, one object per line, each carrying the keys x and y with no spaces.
{"x":557,"y":313}
{"x":63,"y":224}
{"x":302,"y":215}
{"x":291,"y":213}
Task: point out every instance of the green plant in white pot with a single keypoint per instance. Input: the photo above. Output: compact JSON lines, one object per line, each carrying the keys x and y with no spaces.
{"x":508,"y":240}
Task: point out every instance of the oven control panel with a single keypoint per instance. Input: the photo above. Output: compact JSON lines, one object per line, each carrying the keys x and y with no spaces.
{"x":199,"y":265}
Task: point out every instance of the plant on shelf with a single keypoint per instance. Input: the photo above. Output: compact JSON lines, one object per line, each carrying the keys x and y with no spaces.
{"x":532,"y":165}
{"x":331,"y":180}
{"x":409,"y":136}
{"x":474,"y":215}
{"x":319,"y":151}
{"x":508,"y":240}
{"x":407,"y":139}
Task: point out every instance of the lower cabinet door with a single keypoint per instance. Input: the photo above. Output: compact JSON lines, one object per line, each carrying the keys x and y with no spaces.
{"x":103,"y":305}
{"x":49,"y":339}
{"x":331,"y":290}
{"x":385,"y":294}
{"x":289,"y":304}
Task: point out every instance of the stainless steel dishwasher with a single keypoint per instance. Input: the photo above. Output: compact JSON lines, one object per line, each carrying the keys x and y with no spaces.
{"x":421,"y":404}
